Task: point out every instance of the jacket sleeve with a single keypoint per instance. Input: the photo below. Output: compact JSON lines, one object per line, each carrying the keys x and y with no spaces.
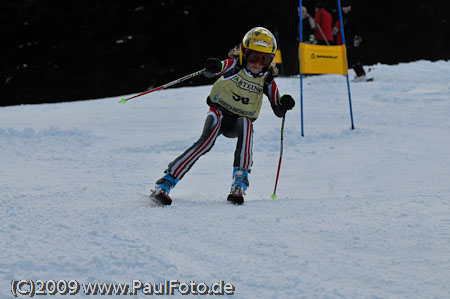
{"x":272,"y":93}
{"x":227,"y":65}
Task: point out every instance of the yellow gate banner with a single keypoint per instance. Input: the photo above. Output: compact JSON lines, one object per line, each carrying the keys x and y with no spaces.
{"x":278,"y":58}
{"x":315,"y":59}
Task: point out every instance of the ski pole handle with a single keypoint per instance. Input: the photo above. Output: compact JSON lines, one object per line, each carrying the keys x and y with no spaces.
{"x":124,"y":100}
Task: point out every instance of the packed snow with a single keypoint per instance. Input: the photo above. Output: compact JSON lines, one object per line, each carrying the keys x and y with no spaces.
{"x":361,"y":213}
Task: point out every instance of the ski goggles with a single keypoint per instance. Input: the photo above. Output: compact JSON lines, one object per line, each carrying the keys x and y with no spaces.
{"x":264,"y":59}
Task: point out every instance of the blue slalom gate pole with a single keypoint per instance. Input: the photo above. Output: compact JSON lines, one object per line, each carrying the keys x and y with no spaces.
{"x":350,"y":103}
{"x":300,"y":71}
{"x":301,"y":103}
{"x":348,"y":81}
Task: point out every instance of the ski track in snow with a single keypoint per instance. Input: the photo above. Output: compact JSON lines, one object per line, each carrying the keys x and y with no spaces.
{"x":361,"y":213}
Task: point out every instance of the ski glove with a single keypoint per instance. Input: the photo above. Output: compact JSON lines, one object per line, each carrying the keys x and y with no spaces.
{"x":357,"y":41}
{"x":212,"y":66}
{"x":287,"y":102}
{"x":335,"y":30}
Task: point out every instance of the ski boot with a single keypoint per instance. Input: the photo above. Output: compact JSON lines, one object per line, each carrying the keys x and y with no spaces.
{"x":361,"y":78}
{"x":239,"y":186}
{"x":162,"y":189}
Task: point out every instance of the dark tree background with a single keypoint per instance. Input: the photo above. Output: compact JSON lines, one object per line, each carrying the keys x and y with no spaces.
{"x":64,"y":50}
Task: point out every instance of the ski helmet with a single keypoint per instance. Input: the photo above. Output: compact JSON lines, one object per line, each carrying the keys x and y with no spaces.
{"x":258,"y":39}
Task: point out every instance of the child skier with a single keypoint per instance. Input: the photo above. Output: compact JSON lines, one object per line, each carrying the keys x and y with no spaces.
{"x":235,"y":101}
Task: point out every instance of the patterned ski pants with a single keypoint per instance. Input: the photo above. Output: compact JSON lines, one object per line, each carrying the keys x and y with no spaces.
{"x":216,"y":124}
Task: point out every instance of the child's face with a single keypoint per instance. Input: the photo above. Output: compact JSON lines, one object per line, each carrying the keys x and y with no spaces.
{"x":256,"y":61}
{"x":255,"y":67}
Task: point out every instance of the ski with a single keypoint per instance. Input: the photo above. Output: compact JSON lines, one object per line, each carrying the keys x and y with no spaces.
{"x":359,"y":80}
{"x":236,"y":199}
{"x":160,"y":197}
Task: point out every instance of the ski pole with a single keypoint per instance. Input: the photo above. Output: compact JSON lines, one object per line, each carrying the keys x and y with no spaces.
{"x":124,"y":100}
{"x":274,"y":195}
{"x":323,"y":34}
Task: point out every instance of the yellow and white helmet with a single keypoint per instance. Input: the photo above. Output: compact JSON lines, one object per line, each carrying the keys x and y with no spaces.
{"x":258,"y":39}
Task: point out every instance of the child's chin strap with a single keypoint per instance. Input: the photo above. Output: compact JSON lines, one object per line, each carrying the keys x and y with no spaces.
{"x":261,"y":73}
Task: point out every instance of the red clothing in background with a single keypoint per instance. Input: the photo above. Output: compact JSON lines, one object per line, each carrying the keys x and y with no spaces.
{"x":324,"y":20}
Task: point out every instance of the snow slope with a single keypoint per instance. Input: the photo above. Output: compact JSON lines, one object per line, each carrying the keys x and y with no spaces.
{"x":361,"y":213}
